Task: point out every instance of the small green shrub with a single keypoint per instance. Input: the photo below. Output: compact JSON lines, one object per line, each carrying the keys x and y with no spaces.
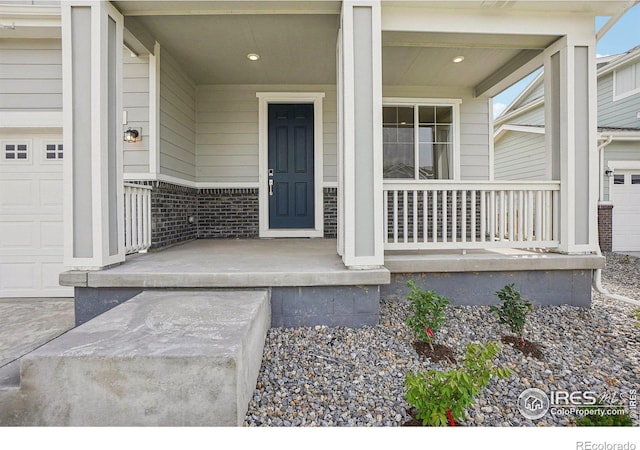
{"x":621,"y":419}
{"x":434,"y":394}
{"x":636,"y":314}
{"x":427,"y":313}
{"x":513,"y":311}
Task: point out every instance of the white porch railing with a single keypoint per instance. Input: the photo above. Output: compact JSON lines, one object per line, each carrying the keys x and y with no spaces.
{"x":454,"y":215}
{"x":137,"y":218}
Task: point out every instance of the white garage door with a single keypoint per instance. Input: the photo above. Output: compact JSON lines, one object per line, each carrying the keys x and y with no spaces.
{"x":31,"y":231}
{"x":626,"y":210}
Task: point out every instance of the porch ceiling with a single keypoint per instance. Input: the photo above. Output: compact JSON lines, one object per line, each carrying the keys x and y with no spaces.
{"x":426,"y":59}
{"x":293,"y":49}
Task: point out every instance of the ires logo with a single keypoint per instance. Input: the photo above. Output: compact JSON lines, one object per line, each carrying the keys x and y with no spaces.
{"x":575,"y":398}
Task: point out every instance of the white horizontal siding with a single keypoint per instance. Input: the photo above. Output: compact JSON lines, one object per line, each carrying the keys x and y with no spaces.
{"x":227,"y":131}
{"x":533,"y":95}
{"x":520,"y":156}
{"x":135,"y":101}
{"x":619,"y":114}
{"x":532,"y":117}
{"x":30,"y":74}
{"x":177,"y":120}
{"x":619,"y":151}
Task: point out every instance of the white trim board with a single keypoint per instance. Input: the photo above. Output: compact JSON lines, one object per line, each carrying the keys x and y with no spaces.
{"x":520,"y":128}
{"x":144,"y":176}
{"x":264,"y":99}
{"x":31,"y":119}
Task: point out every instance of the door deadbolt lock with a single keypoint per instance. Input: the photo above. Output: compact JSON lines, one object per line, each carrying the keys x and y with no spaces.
{"x":270,"y":172}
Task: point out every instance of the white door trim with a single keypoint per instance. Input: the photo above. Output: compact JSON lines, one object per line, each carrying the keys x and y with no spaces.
{"x":264,"y":99}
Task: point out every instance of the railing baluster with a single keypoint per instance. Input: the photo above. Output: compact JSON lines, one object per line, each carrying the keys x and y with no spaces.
{"x":538,"y":233}
{"x":445,"y":199}
{"x":530,"y":215}
{"x":424,"y":216}
{"x":502,"y":215}
{"x":556,"y":215}
{"x":395,"y":217}
{"x":492,"y":218}
{"x":548,"y":234}
{"x":510,"y":217}
{"x":385,"y":209}
{"x":434,"y":216}
{"x":483,"y":216}
{"x":415,"y":216}
{"x":463,"y":225}
{"x":128,"y":214}
{"x":145,"y":223}
{"x":454,"y":215}
{"x":521,"y":216}
{"x":473,"y":216}
{"x":139,"y":220}
{"x":405,"y":212}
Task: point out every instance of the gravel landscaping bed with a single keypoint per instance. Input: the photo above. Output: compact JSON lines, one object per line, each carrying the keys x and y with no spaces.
{"x":321,"y":376}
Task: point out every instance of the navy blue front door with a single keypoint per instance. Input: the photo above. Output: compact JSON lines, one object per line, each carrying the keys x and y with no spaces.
{"x":291,"y":195}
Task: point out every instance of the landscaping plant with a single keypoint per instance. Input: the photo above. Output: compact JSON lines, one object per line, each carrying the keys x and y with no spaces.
{"x":513,"y":311}
{"x":427,"y":313}
{"x":443,"y":397}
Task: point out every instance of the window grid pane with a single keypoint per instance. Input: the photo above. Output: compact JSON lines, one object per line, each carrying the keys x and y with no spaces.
{"x":16,"y":151}
{"x":624,"y":80}
{"x":435,"y":141}
{"x":398,"y":142}
{"x":54,"y":151}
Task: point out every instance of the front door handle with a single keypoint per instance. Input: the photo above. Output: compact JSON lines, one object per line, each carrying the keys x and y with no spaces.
{"x":270,"y":187}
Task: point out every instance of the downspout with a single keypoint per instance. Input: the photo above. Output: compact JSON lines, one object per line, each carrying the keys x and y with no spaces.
{"x":597,"y":275}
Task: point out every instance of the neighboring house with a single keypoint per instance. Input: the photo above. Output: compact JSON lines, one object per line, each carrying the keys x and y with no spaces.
{"x":367,"y":124}
{"x":520,"y":151}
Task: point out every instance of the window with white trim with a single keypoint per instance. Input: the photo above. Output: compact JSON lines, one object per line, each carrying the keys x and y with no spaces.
{"x":53,"y":151}
{"x":627,"y":80}
{"x":418,"y":141}
{"x":16,"y":151}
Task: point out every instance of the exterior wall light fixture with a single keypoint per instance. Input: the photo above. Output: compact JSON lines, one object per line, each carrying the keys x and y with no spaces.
{"x":132,"y":135}
{"x":608,"y":172}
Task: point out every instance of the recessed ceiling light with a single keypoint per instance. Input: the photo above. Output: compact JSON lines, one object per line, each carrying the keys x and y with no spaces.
{"x":253,"y":56}
{"x":458,"y":59}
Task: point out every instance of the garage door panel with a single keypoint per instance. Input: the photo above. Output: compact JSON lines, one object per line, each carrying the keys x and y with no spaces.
{"x":626,"y":212}
{"x":51,"y":234}
{"x":16,"y":193}
{"x":19,"y":276}
{"x":17,"y":234}
{"x":50,"y":193}
{"x":31,"y":221}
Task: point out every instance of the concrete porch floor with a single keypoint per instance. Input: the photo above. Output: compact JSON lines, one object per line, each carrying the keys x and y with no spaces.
{"x":231,"y":263}
{"x":225,"y":263}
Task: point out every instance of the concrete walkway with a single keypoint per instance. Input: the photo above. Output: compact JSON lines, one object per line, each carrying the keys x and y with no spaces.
{"x":164,"y":358}
{"x":27,"y":323}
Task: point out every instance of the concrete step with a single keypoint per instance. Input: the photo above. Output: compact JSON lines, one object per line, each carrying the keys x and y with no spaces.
{"x":163,"y":358}
{"x":10,"y":374}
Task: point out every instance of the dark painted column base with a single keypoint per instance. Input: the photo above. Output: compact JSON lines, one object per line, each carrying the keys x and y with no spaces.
{"x":350,"y":306}
{"x":555,"y":287}
{"x":91,"y":302}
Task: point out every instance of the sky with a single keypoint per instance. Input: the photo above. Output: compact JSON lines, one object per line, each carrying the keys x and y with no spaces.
{"x":624,"y":35}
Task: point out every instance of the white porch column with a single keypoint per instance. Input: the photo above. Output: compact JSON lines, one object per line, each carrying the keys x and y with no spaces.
{"x":92,"y":109}
{"x":360,"y":140}
{"x":570,"y":87}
